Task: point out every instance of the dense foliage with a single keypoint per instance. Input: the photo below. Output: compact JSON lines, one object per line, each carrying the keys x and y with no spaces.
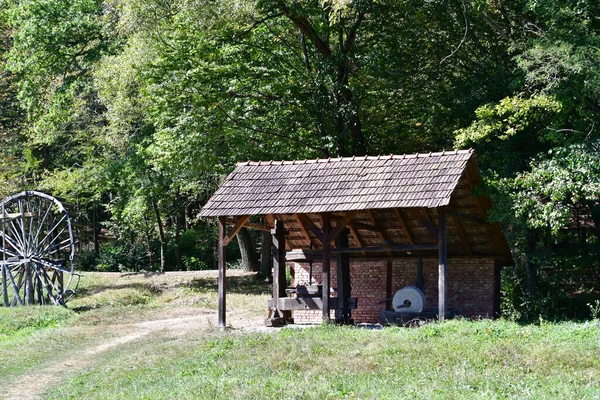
{"x":134,"y":110}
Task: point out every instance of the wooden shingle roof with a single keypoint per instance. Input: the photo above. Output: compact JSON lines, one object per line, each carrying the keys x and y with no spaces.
{"x":341,"y":184}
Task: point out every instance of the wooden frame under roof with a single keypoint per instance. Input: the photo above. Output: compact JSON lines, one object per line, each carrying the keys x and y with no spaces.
{"x":392,"y":206}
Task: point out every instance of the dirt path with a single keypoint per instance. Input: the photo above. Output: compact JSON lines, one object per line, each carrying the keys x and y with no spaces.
{"x":34,"y":385}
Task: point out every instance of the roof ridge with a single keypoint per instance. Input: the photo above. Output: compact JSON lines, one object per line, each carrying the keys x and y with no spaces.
{"x":355,"y":158}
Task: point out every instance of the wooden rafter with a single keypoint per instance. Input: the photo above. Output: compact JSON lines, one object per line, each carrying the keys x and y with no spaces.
{"x":424,"y":220}
{"x":270,"y":219}
{"x":403,"y":226}
{"x":239,"y":224}
{"x":342,"y":224}
{"x":303,"y":229}
{"x":357,"y":225}
{"x":380,"y":232}
{"x":260,"y":227}
{"x":308,"y":224}
{"x":357,"y":238}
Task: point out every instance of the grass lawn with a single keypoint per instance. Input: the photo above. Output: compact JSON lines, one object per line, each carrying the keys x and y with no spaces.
{"x":456,"y":359}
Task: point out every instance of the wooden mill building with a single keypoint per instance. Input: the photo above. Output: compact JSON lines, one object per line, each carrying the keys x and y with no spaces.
{"x":367,"y":226}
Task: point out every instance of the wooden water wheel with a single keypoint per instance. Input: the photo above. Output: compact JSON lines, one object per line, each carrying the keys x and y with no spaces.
{"x":36,"y":250}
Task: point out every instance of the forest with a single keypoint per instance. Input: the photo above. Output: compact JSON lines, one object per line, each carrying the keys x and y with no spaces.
{"x":133,"y":111}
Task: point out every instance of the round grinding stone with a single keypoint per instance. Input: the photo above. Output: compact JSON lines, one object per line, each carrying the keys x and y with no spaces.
{"x":409,"y":295}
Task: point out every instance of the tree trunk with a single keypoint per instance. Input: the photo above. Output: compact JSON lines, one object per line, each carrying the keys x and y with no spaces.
{"x":266,"y":259}
{"x":95,"y":229}
{"x":247,"y":248}
{"x":161,"y":236}
{"x":178,"y":260}
{"x":529,"y":267}
{"x":149,"y":242}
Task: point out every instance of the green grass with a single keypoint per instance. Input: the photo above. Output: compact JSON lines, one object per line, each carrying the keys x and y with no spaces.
{"x":19,"y":321}
{"x":457,"y":359}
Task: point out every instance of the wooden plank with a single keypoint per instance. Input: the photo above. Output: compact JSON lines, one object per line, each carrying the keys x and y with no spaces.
{"x":309,"y":303}
{"x":325,"y":282}
{"x":442,"y":263}
{"x":403,"y":226}
{"x":376,"y":249}
{"x":308,"y":224}
{"x":380,"y":232}
{"x":341,"y":225}
{"x":342,"y":262}
{"x":222,"y":275}
{"x":10,"y":216}
{"x":239,"y":224}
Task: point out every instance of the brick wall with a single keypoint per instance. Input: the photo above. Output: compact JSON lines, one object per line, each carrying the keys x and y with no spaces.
{"x":470,"y":285}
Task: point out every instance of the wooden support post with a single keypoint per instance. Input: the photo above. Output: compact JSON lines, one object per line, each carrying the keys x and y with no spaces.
{"x":278,"y":251}
{"x":325,"y":281}
{"x":342,"y":262}
{"x":442,"y":263}
{"x":222,"y":274}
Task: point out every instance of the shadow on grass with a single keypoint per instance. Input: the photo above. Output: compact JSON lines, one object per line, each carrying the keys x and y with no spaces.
{"x":235,"y":284}
{"x":98,"y":288}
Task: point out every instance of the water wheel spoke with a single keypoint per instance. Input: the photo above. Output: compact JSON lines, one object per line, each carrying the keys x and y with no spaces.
{"x":50,"y":233}
{"x":55,"y":248}
{"x":41,"y":224}
{"x":50,"y":288}
{"x":16,"y":288}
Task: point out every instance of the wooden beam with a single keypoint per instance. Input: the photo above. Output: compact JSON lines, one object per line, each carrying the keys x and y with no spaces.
{"x":357,"y":238}
{"x":342,"y":224}
{"x":10,"y":216}
{"x":388,"y":249}
{"x":308,"y":224}
{"x":325,"y":277}
{"x":442,"y":263}
{"x":381,"y":233}
{"x":357,"y":225}
{"x":309,"y":303}
{"x":342,"y":263}
{"x":303,"y":229}
{"x":239,"y":224}
{"x":279,"y":283}
{"x":403,"y":226}
{"x":270,"y":219}
{"x":252,"y":225}
{"x":222,"y":274}
{"x":424,"y":220}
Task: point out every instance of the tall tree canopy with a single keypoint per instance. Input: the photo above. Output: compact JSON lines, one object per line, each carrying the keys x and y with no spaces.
{"x":135,"y":109}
